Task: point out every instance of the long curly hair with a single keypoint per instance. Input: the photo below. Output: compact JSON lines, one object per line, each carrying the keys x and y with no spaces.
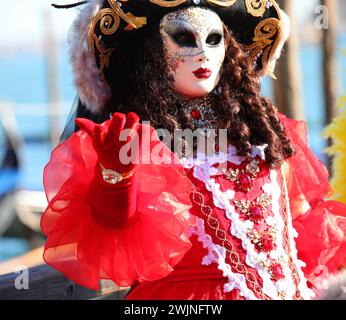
{"x":139,"y":81}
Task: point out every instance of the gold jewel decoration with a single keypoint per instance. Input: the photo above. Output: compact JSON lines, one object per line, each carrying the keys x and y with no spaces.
{"x":198,"y":199}
{"x":243,"y":178}
{"x":114,"y":177}
{"x":256,"y":7}
{"x":253,"y":168}
{"x":263,"y":241}
{"x":276,"y":272}
{"x":254,"y":210}
{"x":275,"y":269}
{"x":202,"y":113}
{"x":282,"y":295}
{"x":266,"y":39}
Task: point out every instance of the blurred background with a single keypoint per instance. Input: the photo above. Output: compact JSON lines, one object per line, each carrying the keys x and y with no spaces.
{"x":37,"y":92}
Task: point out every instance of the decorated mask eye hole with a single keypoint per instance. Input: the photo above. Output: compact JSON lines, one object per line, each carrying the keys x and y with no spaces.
{"x":185,"y":39}
{"x":214,"y":39}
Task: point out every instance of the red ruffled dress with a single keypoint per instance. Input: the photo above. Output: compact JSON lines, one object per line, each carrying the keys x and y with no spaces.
{"x":218,"y":227}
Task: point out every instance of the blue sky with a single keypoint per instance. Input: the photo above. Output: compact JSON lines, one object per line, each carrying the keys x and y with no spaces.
{"x":23,"y":20}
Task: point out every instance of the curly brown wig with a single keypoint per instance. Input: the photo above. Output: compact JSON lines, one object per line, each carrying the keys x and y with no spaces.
{"x":139,"y":82}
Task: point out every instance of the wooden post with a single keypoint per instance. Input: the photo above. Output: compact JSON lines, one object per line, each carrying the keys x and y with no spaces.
{"x":288,"y":86}
{"x":52,"y":78}
{"x":330,"y":60}
{"x":330,"y":74}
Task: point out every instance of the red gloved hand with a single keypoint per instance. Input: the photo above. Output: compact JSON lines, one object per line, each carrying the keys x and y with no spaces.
{"x":106,"y":139}
{"x":113,"y":204}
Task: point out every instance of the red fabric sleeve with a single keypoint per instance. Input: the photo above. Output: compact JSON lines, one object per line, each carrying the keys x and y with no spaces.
{"x":89,"y":236}
{"x":113,"y":205}
{"x":320,"y":223}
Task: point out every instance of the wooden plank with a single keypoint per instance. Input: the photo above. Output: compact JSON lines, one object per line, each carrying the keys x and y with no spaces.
{"x":44,"y":283}
{"x":110,"y":291}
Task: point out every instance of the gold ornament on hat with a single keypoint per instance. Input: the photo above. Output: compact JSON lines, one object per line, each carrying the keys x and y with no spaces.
{"x":109,"y":19}
{"x":265,"y":41}
{"x":104,"y":55}
{"x":256,"y":7}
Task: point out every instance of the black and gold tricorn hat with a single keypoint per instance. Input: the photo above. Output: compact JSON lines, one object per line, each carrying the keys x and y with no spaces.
{"x":259,"y":25}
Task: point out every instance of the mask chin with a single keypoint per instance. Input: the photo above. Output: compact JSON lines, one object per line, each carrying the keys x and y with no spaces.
{"x":194,"y":49}
{"x":195,"y":91}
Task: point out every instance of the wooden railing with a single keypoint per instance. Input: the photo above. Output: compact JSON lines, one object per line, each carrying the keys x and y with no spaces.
{"x":45,"y":283}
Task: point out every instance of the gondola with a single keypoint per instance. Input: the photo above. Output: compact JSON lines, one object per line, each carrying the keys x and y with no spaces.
{"x":9,"y":174}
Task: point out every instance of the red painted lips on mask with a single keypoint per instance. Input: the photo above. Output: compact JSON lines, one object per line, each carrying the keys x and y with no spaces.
{"x":202,"y":73}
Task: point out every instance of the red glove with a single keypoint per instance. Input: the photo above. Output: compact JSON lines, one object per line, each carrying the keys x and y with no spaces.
{"x":113,"y":204}
{"x":106,"y":139}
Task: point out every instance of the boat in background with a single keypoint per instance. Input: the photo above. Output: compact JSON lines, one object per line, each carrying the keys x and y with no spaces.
{"x":22,"y":199}
{"x":10,"y":143}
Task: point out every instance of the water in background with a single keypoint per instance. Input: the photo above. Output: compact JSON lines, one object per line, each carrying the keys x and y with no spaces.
{"x":23,"y":80}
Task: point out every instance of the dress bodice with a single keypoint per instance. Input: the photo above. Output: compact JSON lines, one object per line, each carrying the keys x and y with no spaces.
{"x":244,"y":222}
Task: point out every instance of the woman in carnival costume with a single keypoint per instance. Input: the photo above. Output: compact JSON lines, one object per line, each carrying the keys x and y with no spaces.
{"x":244,"y":220}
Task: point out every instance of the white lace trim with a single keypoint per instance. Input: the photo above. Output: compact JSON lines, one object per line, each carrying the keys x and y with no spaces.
{"x":239,"y":229}
{"x":202,"y":171}
{"x":217,"y":254}
{"x":221,"y":157}
{"x":287,"y":284}
{"x":306,"y":293}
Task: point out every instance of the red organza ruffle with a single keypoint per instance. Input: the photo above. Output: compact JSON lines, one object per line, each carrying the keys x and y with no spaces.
{"x":86,"y":250}
{"x":308,"y":175}
{"x":321,"y":224}
{"x":322,"y":241}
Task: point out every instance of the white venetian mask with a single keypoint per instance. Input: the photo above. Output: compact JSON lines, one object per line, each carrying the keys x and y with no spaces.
{"x":195,"y":50}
